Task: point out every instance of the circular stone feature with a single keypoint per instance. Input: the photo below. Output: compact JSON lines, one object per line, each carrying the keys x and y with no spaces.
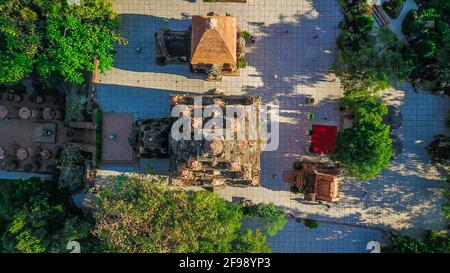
{"x":48,"y":113}
{"x":24,"y":113}
{"x":46,"y":154}
{"x":3,"y":111}
{"x":22,"y":153}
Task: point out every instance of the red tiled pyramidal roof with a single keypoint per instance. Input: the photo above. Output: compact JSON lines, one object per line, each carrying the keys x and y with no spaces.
{"x":214,"y":40}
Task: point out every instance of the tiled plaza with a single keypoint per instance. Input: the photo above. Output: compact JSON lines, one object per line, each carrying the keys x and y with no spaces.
{"x":296,"y":44}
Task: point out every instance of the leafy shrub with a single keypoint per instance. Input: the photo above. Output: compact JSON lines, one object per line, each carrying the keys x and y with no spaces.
{"x":249,"y":242}
{"x":409,"y":24}
{"x":272,"y":219}
{"x":447,"y":120}
{"x":425,"y":49}
{"x":431,"y":242}
{"x":393,"y":7}
{"x":311,"y":223}
{"x":405,"y":244}
{"x":71,"y":155}
{"x":71,"y":176}
{"x":246,"y":35}
{"x":242,"y":63}
{"x":439,"y":149}
{"x":75,"y":107}
{"x":364,"y":24}
{"x":161,"y":61}
{"x":294,"y":190}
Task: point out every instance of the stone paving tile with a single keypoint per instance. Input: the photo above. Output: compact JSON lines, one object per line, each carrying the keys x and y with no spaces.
{"x":329,"y":238}
{"x":405,"y":196}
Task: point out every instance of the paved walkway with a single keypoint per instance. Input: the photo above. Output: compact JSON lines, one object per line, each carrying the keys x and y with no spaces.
{"x":326,"y":238}
{"x":406,"y":196}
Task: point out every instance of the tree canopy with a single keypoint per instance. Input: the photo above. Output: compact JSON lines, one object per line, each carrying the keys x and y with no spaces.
{"x":55,"y":37}
{"x":432,"y":242}
{"x":139,"y":214}
{"x":34,"y":218}
{"x":427,"y":32}
{"x":364,"y":149}
{"x":143,"y":214}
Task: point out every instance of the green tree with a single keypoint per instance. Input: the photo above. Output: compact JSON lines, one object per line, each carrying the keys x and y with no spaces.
{"x":439,"y":149}
{"x":360,"y":73}
{"x":34,"y":218}
{"x":364,"y":24}
{"x":56,"y":38}
{"x":269,"y":217}
{"x":393,"y":7}
{"x":19,"y":38}
{"x":77,"y":35}
{"x":428,"y":35}
{"x":365,"y":149}
{"x":143,"y":214}
{"x":431,"y":242}
{"x":252,"y":242}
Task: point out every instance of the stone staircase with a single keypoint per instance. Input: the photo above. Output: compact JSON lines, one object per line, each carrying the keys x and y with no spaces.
{"x":380,"y":16}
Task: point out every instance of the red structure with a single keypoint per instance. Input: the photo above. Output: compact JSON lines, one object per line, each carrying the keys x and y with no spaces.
{"x":323,"y":138}
{"x":317,"y":178}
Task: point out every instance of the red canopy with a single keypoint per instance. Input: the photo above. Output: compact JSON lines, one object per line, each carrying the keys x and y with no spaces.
{"x":323,"y":139}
